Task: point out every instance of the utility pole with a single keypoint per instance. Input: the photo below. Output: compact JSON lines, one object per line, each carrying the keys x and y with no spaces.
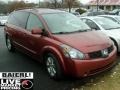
{"x":97,"y":5}
{"x":62,"y":3}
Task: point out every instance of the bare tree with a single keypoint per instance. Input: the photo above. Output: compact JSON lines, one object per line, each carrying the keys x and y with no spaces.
{"x":18,"y":4}
{"x":55,"y":3}
{"x":70,"y":4}
{"x":62,"y":3}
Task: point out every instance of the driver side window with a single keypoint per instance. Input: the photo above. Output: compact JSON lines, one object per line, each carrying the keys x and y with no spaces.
{"x":33,"y":21}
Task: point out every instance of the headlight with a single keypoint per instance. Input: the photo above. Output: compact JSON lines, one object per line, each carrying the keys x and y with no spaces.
{"x":72,"y":53}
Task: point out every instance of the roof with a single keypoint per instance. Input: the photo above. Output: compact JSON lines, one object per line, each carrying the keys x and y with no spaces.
{"x":104,"y":2}
{"x":42,"y":10}
{"x":110,"y":16}
{"x":113,"y":17}
{"x":91,"y":17}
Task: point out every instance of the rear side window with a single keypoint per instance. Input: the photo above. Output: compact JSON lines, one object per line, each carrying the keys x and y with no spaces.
{"x":18,"y":18}
{"x":34,"y":22}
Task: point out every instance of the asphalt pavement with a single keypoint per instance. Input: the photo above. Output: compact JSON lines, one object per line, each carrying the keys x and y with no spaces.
{"x":19,"y":62}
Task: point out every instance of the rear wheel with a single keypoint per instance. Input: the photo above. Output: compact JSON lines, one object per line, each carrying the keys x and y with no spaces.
{"x":53,"y":67}
{"x":9,"y":44}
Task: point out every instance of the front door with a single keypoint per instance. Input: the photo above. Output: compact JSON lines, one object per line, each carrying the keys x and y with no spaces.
{"x":33,"y":43}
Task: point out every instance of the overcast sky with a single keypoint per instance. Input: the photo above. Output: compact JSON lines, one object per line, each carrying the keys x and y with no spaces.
{"x":36,"y":1}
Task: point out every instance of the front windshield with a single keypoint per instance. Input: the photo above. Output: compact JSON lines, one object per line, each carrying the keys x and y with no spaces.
{"x":64,"y":22}
{"x":107,"y":23}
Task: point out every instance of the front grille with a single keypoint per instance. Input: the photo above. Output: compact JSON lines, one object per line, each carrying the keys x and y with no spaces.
{"x":99,"y":54}
{"x":110,"y":49}
{"x":94,"y":55}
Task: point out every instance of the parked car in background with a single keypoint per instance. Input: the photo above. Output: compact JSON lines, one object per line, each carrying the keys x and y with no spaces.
{"x":115,"y":12}
{"x":99,"y":10}
{"x":76,"y":14}
{"x":3,"y":20}
{"x":94,"y":13}
{"x":107,"y":26}
{"x":65,"y":44}
{"x":115,"y":18}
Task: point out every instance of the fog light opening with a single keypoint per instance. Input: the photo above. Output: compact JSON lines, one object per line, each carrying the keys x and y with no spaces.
{"x":85,"y":75}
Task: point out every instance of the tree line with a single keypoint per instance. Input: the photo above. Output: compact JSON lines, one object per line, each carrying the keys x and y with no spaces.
{"x":13,"y":5}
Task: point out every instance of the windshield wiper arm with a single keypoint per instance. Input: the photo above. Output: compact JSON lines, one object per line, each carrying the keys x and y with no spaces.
{"x":61,"y":32}
{"x":84,"y":30}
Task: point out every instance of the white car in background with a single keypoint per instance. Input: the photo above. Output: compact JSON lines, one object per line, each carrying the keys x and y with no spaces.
{"x":115,"y":18}
{"x":107,"y":26}
{"x":3,"y":20}
{"x":76,"y":14}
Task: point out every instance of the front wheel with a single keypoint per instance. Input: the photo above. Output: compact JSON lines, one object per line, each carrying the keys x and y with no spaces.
{"x":53,"y":67}
{"x":9,"y":44}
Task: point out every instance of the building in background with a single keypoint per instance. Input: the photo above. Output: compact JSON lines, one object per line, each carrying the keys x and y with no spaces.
{"x":104,"y":4}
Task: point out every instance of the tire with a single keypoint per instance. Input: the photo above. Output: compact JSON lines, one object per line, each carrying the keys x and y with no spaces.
{"x":9,"y":45}
{"x":116,"y":45}
{"x":53,"y":67}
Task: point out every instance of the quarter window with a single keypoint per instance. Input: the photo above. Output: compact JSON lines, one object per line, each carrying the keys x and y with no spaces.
{"x":18,"y":18}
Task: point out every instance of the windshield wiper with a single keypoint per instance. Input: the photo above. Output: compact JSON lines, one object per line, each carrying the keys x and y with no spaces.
{"x":61,"y":33}
{"x":84,"y":30}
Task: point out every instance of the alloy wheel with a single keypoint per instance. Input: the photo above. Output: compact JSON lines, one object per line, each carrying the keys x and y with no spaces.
{"x":51,"y":68}
{"x":9,"y":46}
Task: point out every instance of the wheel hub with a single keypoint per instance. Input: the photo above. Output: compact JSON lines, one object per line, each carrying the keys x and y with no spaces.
{"x":51,"y":66}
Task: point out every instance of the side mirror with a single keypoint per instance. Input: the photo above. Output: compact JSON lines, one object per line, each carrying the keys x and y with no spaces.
{"x":36,"y":31}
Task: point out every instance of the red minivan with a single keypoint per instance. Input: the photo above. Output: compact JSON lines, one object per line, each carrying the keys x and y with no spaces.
{"x":62,"y":42}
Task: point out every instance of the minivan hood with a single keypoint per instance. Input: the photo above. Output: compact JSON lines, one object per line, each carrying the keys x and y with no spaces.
{"x":85,"y":41}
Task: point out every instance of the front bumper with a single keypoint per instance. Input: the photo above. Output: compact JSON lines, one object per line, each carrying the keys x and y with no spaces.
{"x":83,"y":68}
{"x":2,"y":23}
